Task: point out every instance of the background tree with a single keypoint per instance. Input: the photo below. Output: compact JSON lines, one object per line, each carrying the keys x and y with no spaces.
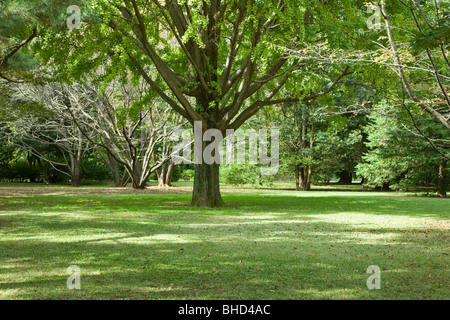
{"x":301,"y":123}
{"x":53,"y":126}
{"x":398,"y":156}
{"x":428,"y":19}
{"x":21,"y":22}
{"x":126,"y":124}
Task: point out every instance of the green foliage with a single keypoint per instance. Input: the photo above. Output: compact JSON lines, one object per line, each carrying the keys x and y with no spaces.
{"x":177,"y":173}
{"x":22,"y":20}
{"x":187,"y":175}
{"x":314,"y":138}
{"x":244,"y":174}
{"x":22,"y":171}
{"x":433,"y":37}
{"x":94,"y":168}
{"x":396,"y":156}
{"x":331,"y":143}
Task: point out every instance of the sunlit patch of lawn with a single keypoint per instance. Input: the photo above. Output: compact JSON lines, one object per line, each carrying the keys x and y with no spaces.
{"x":263,"y":245}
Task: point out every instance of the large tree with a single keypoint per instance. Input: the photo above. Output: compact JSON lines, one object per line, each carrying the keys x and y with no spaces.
{"x":217,"y":62}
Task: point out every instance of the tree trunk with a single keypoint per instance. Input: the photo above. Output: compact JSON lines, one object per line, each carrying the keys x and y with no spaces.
{"x":113,"y":165}
{"x":442,"y":179}
{"x":116,"y":175}
{"x":206,"y":191}
{"x":297,"y":178}
{"x":345,"y":177}
{"x":165,"y":175}
{"x":75,"y":170}
{"x":169,"y":174}
{"x":162,"y":176}
{"x":384,"y":187}
{"x":76,"y":174}
{"x":135,"y":175}
{"x":308,"y":179}
{"x":303,"y":178}
{"x":136,"y":184}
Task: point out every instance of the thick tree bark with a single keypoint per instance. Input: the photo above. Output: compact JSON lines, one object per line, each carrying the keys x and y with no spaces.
{"x":206,"y":192}
{"x":442,"y":179}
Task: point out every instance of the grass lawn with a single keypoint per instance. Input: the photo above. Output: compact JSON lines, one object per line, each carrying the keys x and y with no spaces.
{"x":263,"y":245}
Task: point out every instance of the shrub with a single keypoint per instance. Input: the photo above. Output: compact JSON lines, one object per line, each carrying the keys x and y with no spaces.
{"x":187,"y":174}
{"x":22,"y":171}
{"x":240,"y":174}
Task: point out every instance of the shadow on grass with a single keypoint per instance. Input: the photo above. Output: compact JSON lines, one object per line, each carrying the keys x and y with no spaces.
{"x":309,"y":260}
{"x":236,"y":204}
{"x":287,"y":246}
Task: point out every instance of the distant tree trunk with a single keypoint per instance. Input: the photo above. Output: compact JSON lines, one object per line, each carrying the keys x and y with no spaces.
{"x":345,"y":177}
{"x":113,"y":165}
{"x":120,"y":180}
{"x":75,"y":170}
{"x":297,"y":178}
{"x":169,"y":174}
{"x":386,"y":186}
{"x":303,"y":178}
{"x":161,"y":174}
{"x":306,"y":178}
{"x":165,"y":175}
{"x":442,"y":179}
{"x":136,"y":183}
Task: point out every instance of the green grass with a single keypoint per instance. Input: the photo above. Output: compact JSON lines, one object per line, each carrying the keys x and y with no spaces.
{"x":263,"y":245}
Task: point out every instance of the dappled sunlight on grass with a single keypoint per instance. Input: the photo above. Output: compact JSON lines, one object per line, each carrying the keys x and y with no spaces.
{"x":260,"y":246}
